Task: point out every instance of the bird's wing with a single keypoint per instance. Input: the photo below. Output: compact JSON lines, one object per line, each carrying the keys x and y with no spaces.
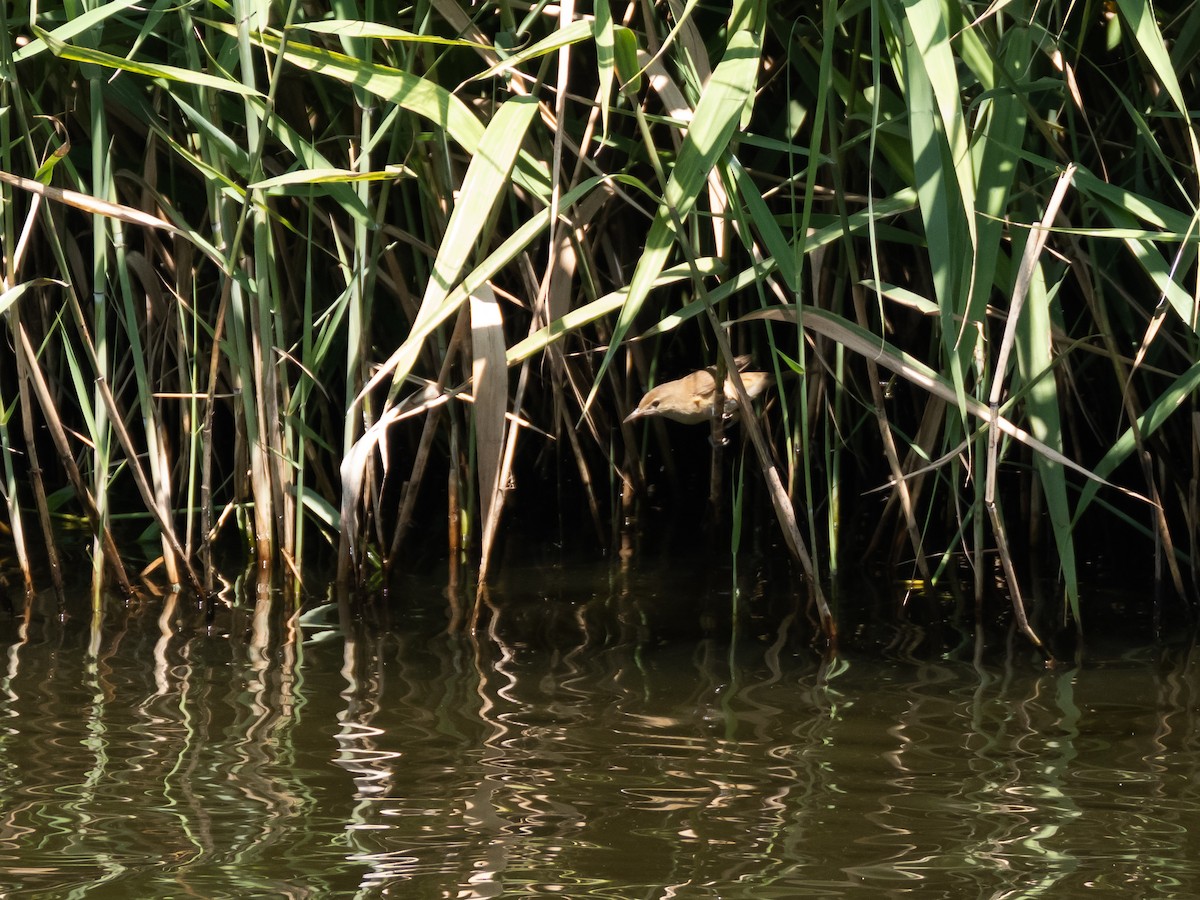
{"x":701,"y":384}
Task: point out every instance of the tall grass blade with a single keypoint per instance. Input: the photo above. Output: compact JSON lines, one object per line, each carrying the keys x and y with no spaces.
{"x":489,"y":377}
{"x":709,"y":134}
{"x":482,"y":189}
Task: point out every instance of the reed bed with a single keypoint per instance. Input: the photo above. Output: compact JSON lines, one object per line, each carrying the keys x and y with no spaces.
{"x":319,"y":278}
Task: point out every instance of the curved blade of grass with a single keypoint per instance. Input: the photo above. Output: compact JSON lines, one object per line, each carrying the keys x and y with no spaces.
{"x":518,"y":241}
{"x":710,"y":131}
{"x":866,"y":344}
{"x":609,"y":303}
{"x":1140,"y":15}
{"x":483,"y":187}
{"x":1122,"y":207}
{"x":903,"y":201}
{"x":74,"y":26}
{"x":137,"y":67}
{"x":96,"y":206}
{"x":305,"y":153}
{"x":418,"y":95}
{"x":577,"y":31}
{"x":359,"y":29}
{"x":14,"y":293}
{"x":331,"y":176}
{"x":1175,"y":397}
{"x":942,"y":170}
{"x":699,"y":66}
{"x":1149,"y":210}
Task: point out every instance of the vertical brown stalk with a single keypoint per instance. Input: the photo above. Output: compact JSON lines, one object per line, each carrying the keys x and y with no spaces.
{"x":206,"y":441}
{"x":59,"y":435}
{"x":36,"y":482}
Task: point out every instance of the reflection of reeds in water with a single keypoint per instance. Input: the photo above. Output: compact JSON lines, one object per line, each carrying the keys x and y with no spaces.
{"x":588,"y":743}
{"x":275,"y":302}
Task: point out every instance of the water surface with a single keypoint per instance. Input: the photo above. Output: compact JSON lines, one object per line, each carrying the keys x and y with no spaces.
{"x":601,"y":734}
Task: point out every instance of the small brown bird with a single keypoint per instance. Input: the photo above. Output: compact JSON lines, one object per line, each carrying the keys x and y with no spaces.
{"x":690,"y":399}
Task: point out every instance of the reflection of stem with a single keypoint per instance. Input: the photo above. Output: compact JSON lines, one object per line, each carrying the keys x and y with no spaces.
{"x":498,"y":837}
{"x":454,"y":504}
{"x":452,"y":597}
{"x":371,"y":767}
{"x":162,"y":668}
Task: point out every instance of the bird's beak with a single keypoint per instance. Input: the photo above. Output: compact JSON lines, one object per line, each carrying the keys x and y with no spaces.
{"x":636,"y":414}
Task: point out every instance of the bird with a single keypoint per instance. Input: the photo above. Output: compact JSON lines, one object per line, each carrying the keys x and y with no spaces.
{"x":690,"y":399}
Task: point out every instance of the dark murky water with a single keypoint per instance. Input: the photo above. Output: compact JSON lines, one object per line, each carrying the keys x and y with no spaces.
{"x":599,"y":738}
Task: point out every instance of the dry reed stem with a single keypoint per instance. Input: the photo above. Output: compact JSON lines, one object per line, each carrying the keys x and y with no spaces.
{"x":58,"y":435}
{"x":888,"y":440}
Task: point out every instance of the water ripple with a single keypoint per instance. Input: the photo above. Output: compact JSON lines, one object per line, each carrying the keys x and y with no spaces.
{"x":593,"y":752}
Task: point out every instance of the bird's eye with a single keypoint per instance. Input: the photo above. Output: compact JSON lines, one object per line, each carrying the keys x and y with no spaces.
{"x":654,"y":404}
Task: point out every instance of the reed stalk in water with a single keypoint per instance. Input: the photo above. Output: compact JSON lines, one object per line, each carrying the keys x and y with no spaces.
{"x":278,"y":271}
